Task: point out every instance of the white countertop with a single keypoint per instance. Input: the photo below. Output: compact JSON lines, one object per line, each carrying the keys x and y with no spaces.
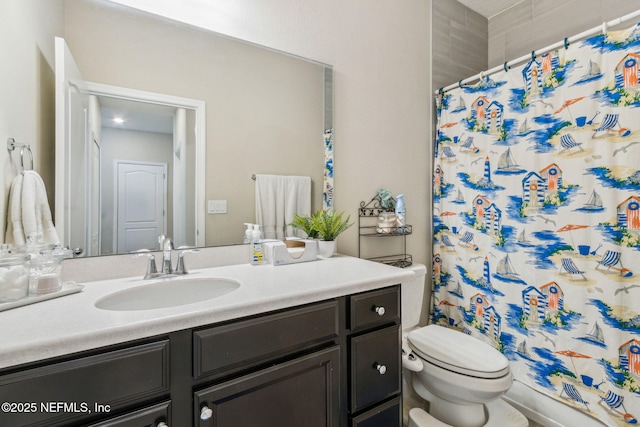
{"x":72,"y":323}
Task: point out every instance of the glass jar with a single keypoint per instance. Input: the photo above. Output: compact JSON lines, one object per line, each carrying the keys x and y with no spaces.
{"x":45,"y":273}
{"x":14,"y":277}
{"x":45,"y":268}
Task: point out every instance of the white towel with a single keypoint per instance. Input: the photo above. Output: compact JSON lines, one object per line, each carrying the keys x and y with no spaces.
{"x":29,"y":216}
{"x":278,"y":200}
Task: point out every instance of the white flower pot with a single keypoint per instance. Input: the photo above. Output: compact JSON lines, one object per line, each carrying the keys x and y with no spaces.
{"x":327,"y":248}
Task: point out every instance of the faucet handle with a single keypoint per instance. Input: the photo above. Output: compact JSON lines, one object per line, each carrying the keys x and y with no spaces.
{"x":152,"y":270}
{"x":180,"y":268}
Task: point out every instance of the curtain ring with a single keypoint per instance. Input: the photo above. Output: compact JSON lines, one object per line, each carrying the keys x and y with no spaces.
{"x":533,"y":55}
{"x":604,"y":28}
{"x":566,"y":43}
{"x":460,"y":84}
{"x":506,"y":67}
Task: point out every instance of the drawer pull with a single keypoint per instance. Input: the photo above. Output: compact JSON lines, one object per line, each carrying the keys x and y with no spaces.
{"x":380,"y":368}
{"x":206,"y":413}
{"x":162,"y":424}
{"x":380,"y":310}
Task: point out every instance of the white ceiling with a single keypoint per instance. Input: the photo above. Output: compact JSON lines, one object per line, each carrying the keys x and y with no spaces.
{"x":140,"y":116}
{"x":489,"y":8}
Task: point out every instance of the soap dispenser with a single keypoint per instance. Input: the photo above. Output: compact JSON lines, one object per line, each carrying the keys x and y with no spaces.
{"x":257,"y":247}
{"x":248,"y":233}
{"x":257,"y":234}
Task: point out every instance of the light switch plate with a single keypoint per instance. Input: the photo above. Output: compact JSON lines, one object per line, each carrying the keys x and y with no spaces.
{"x":217,"y":207}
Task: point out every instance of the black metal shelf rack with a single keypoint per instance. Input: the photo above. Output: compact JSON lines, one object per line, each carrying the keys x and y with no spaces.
{"x":368,"y":228}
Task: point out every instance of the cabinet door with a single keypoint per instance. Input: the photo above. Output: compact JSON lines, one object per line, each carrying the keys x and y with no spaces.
{"x":375,"y":367}
{"x":301,"y":392}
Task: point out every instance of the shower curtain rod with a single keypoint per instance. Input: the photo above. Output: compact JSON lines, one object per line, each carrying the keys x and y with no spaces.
{"x":564,"y":43}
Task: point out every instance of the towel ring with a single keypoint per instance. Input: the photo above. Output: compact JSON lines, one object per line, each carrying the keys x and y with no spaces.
{"x":22,"y":156}
{"x":12,"y":144}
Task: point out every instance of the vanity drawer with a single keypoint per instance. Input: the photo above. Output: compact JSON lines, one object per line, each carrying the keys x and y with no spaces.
{"x":374,"y":307}
{"x":375,"y":367}
{"x":388,"y":414}
{"x":74,"y":389}
{"x":151,"y":416}
{"x":250,"y":342}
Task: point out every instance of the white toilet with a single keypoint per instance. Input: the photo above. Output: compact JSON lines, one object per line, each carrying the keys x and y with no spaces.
{"x":457,"y":377}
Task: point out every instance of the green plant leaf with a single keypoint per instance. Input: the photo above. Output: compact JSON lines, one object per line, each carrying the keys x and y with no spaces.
{"x":329,"y":224}
{"x":305,"y":223}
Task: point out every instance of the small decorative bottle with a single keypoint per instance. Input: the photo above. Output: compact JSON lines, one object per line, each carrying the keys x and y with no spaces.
{"x":400,"y":213}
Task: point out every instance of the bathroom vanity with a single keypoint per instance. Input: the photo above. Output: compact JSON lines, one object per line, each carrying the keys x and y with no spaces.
{"x":314,"y":344}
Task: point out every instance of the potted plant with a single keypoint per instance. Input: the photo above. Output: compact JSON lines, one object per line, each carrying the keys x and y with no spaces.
{"x":305,"y":223}
{"x":329,"y":224}
{"x":323,"y":225}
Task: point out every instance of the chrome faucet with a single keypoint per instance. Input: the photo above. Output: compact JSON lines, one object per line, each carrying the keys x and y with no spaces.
{"x":167,"y":247}
{"x":167,"y":269}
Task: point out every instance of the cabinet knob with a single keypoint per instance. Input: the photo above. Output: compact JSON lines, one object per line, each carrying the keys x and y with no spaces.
{"x":162,"y":424}
{"x":205,"y":413}
{"x":380,"y":310}
{"x":380,"y":368}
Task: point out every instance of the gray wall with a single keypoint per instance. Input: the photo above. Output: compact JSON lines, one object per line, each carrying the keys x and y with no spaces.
{"x":460,"y":38}
{"x":466,"y":43}
{"x":121,"y":144}
{"x":535,"y":24}
{"x":27,"y":89}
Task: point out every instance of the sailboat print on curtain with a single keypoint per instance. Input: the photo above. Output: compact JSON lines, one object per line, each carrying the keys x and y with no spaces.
{"x":540,"y":168}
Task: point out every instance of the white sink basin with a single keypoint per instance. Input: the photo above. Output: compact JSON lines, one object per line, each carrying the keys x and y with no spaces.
{"x":168,"y":293}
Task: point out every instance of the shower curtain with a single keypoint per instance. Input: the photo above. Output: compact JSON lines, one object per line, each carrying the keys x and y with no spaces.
{"x":536,"y":187}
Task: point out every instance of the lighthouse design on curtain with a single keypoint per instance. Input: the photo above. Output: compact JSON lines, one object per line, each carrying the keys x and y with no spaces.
{"x":536,"y":186}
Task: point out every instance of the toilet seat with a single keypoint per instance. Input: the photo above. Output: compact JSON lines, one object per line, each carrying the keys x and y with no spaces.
{"x":458,"y":352}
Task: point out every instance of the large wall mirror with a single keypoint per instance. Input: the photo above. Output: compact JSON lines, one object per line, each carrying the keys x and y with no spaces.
{"x":203,"y":110}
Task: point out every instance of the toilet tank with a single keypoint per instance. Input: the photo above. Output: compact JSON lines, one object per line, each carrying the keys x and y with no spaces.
{"x":412,"y":295}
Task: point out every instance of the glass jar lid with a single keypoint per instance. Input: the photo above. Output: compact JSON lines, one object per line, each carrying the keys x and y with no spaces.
{"x":13,"y":259}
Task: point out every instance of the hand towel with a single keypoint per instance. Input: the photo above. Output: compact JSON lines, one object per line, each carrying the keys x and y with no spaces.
{"x":29,"y":218}
{"x":278,"y":200}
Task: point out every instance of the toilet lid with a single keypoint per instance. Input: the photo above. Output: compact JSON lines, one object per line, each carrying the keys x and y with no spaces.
{"x":458,"y":352}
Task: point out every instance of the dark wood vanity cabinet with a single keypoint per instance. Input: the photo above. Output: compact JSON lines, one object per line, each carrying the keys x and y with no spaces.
{"x":334,"y":363}
{"x":274,"y":370}
{"x":89,"y":387}
{"x":375,"y":381}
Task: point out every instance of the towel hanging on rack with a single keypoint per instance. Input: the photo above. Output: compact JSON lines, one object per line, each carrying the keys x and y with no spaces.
{"x":278,"y":200}
{"x":29,"y":215}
